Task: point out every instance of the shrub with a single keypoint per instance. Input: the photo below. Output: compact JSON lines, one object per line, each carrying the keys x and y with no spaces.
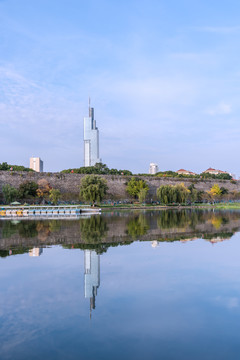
{"x":27,"y":188}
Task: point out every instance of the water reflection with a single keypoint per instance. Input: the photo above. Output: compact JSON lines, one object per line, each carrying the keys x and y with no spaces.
{"x":99,"y":232}
{"x":91,"y":276}
{"x":137,"y":226}
{"x":35,"y":252}
{"x":93,"y":229}
{"x":96,"y":234}
{"x":157,"y":300}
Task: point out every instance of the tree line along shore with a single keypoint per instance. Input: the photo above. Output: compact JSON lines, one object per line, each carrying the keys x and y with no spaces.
{"x":102,"y":169}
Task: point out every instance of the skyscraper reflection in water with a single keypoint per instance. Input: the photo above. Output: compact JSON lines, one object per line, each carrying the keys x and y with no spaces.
{"x":91,"y":276}
{"x":35,"y":251}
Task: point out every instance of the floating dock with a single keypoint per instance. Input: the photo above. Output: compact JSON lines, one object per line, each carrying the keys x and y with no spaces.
{"x":46,"y":211}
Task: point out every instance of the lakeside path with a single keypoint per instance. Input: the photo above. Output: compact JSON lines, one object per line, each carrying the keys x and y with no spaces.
{"x":227,"y":206}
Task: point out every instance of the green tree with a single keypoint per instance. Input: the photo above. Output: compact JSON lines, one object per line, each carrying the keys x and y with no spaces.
{"x":142,"y":194}
{"x":193,"y":193}
{"x":181,"y":193}
{"x":93,"y":188}
{"x":98,"y":169}
{"x":224,"y":191}
{"x":168,"y":194}
{"x":54,"y":195}
{"x":134,"y":186}
{"x":124,"y":172}
{"x":168,"y":173}
{"x":200,"y":195}
{"x":27,"y":188}
{"x":4,"y":166}
{"x":10,"y":193}
{"x":224,"y":176}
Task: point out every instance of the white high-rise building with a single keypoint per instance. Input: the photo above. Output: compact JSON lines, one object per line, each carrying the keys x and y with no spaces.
{"x":36,"y":164}
{"x":153,"y":168}
{"x":91,"y":140}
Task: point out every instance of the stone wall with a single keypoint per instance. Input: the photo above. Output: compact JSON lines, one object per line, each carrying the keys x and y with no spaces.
{"x":69,"y":183}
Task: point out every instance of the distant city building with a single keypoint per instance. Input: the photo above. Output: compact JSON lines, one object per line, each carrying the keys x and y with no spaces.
{"x":153,"y":168}
{"x":185,"y":172}
{"x":91,"y":276}
{"x":35,"y":252}
{"x":214,"y":171}
{"x":36,"y":164}
{"x":91,"y":140}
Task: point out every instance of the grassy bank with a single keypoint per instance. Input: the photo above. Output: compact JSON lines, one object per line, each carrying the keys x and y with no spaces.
{"x":137,"y":206}
{"x":224,"y":206}
{"x":227,"y":206}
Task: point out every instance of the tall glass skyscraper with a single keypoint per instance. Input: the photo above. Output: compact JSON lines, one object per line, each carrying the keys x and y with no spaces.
{"x":91,"y":140}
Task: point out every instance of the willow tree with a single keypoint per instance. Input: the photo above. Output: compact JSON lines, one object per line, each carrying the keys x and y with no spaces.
{"x":54,"y":195}
{"x":93,"y":188}
{"x":181,"y":193}
{"x":10,"y":193}
{"x":168,"y":194}
{"x":137,"y":187}
{"x":142,"y":194}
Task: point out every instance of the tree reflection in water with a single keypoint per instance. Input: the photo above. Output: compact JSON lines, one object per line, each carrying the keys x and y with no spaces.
{"x":137,"y":226}
{"x":181,"y":219}
{"x":99,"y":232}
{"x":93,"y":229}
{"x":173,"y":219}
{"x":26,"y":229}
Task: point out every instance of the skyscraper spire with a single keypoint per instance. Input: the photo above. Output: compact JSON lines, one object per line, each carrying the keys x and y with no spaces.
{"x":89,"y":106}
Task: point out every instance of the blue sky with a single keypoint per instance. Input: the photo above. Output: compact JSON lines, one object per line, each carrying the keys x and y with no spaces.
{"x":163,"y":77}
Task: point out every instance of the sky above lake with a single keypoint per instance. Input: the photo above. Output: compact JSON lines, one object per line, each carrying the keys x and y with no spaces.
{"x":163,"y":77}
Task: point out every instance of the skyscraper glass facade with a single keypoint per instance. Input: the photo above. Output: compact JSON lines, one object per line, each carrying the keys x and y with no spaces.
{"x":91,"y":140}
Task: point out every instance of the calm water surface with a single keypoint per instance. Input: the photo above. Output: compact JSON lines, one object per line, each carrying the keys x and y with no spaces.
{"x":127,"y":285}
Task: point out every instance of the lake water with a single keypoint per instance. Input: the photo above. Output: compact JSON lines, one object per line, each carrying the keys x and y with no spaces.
{"x":121,"y":285}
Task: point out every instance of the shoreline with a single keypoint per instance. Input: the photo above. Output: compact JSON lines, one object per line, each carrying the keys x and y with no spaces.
{"x":233,"y":206}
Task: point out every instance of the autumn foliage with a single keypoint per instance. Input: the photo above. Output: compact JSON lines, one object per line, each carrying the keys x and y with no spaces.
{"x":43,"y":188}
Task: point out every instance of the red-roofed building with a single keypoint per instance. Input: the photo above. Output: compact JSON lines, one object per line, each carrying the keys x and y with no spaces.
{"x":214,"y":171}
{"x":185,"y":172}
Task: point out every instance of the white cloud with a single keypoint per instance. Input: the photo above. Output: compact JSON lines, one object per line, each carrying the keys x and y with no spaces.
{"x":220,"y":109}
{"x":220,"y":29}
{"x":228,"y":302}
